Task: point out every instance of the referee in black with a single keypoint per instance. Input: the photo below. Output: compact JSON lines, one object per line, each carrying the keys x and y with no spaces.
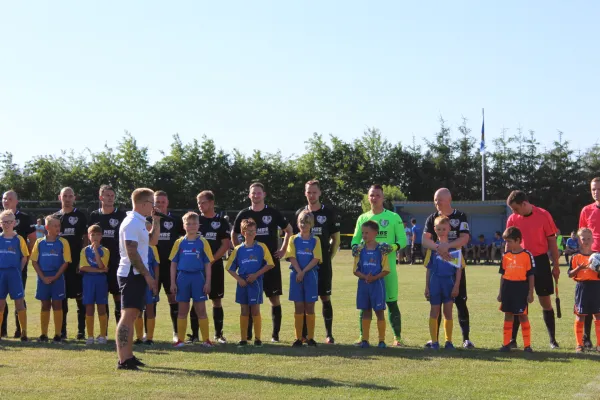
{"x":327,"y":229}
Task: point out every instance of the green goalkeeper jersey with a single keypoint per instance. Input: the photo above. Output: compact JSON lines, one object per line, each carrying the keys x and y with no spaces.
{"x":391,"y":230}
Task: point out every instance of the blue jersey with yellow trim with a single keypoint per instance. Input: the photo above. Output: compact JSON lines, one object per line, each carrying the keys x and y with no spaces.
{"x":12,"y":251}
{"x":304,"y":250}
{"x":51,"y":255}
{"x":248,"y":260}
{"x":371,"y":261}
{"x":191,"y":255}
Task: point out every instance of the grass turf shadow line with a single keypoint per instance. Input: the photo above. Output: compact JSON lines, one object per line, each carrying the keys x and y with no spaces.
{"x":312,"y":382}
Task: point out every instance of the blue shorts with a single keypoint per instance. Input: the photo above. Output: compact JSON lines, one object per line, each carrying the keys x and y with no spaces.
{"x":251,"y":294}
{"x":95,"y":289}
{"x":587,"y":298}
{"x":11,"y":283}
{"x":371,"y":296}
{"x":440,"y":289}
{"x":150,"y":297}
{"x":190,"y":285}
{"x":308,"y":290}
{"x":54,"y":291}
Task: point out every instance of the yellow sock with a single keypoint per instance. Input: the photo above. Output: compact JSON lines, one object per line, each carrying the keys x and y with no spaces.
{"x":181,"y":329}
{"x":89,"y":324}
{"x":257,"y":326}
{"x":433,"y":329}
{"x":203,"y":323}
{"x":310,"y":325}
{"x":58,"y":319}
{"x":366,"y":325}
{"x":298,"y":323}
{"x":150,"y":324}
{"x":448,"y":325}
{"x":103,"y":325}
{"x":139,"y":328}
{"x":45,"y":321}
{"x":23,"y":321}
{"x":244,"y":327}
{"x":381,"y":329}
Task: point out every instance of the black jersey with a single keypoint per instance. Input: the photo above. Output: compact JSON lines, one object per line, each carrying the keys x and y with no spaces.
{"x":214,"y":230}
{"x":267,"y":221}
{"x":458,"y":224}
{"x":73,"y":226}
{"x":326,"y":224}
{"x":110,"y":224}
{"x":170,"y":231}
{"x":24,"y":225}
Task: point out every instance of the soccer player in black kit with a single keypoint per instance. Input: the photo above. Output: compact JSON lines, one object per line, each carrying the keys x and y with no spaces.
{"x":267,"y":220}
{"x":216,"y":231}
{"x":327,"y":228}
{"x":25,"y":227}
{"x":73,"y":228}
{"x":171,"y":229}
{"x":109,"y":218}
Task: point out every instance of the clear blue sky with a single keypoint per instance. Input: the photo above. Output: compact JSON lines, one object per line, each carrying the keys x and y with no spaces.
{"x":267,"y":74}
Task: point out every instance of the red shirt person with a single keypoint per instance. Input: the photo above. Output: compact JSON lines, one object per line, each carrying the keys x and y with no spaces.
{"x":539,"y":238}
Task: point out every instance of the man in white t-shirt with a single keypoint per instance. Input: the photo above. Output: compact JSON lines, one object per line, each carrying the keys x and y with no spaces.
{"x":133,"y":275}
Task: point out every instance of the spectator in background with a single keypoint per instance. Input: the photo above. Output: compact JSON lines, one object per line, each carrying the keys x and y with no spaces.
{"x":415,"y":238}
{"x":40,"y":229}
{"x":497,"y":246}
{"x":572,"y":246}
{"x":404,"y":254}
{"x":560,"y":243}
{"x":481,"y":250}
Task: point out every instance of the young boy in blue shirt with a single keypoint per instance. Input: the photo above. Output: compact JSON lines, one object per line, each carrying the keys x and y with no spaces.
{"x":304,"y":255}
{"x":50,"y":257}
{"x":572,"y":246}
{"x":13,"y":258}
{"x":371,"y":266}
{"x":94,"y":267}
{"x":247,"y":264}
{"x":441,"y":284}
{"x":191,"y":259}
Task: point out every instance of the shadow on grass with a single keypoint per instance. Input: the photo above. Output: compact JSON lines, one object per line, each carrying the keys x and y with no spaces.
{"x":338,"y":350}
{"x":312,"y":382}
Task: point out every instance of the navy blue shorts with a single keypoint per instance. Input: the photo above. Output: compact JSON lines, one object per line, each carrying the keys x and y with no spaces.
{"x":95,"y":289}
{"x":306,"y":291}
{"x":440,"y":289}
{"x":514,"y":297}
{"x":587,"y":297}
{"x":54,"y":291}
{"x":371,"y":296}
{"x":133,"y":291}
{"x":251,"y":294}
{"x":190,"y":285}
{"x":11,"y":283}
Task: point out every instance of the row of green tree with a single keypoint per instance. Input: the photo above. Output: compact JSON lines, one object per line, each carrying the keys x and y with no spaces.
{"x":557,"y":178}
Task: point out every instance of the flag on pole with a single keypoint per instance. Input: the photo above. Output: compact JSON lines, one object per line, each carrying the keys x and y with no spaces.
{"x":482,"y":144}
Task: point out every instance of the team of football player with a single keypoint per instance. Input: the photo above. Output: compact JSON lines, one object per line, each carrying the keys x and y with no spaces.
{"x":77,"y":259}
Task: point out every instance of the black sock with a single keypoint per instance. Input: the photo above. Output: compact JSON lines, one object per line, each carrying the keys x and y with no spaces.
{"x":17,"y":324}
{"x":218,"y":316}
{"x":65,"y":307}
{"x":304,"y":327}
{"x":550,"y":324}
{"x":194,"y":324}
{"x":516,"y":325}
{"x":117,"y":311}
{"x":174,"y":312}
{"x":249,"y":336}
{"x":328,"y":317}
{"x":463,"y":318}
{"x":276,"y":317}
{"x":146,"y":316}
{"x":587,"y":332}
{"x":80,"y":317}
{"x":3,"y":331}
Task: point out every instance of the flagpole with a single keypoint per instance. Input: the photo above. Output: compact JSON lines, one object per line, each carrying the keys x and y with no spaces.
{"x":482,"y":150}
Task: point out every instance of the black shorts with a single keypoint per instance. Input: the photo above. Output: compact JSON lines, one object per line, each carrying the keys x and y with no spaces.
{"x":164,"y":276}
{"x":217,"y":281}
{"x":111,"y":277}
{"x":325,"y":278}
{"x":587,"y":298}
{"x":133,"y":291}
{"x":544,"y":282}
{"x":272,"y":280}
{"x":73,"y":282}
{"x":514,"y":297}
{"x":24,"y":277}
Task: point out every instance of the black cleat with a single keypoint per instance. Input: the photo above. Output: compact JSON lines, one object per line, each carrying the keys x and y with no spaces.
{"x":297,"y":343}
{"x":554,"y":344}
{"x":17,"y":334}
{"x":80,"y":336}
{"x":587,"y":343}
{"x":505,"y":348}
{"x":275,"y":339}
{"x":513,"y":344}
{"x":311,"y":343}
{"x":58,"y":339}
{"x":63,"y":336}
{"x":137,"y":362}
{"x":528,"y":349}
{"x":127,"y":365}
{"x":138,"y":341}
{"x":258,"y":343}
{"x":242,"y":343}
{"x":149,"y":342}
{"x":43,"y":339}
{"x":24,"y":339}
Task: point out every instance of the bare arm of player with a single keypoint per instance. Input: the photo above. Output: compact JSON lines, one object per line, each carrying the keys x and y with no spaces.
{"x":531,"y":286}
{"x":40,"y":273}
{"x":456,"y":282}
{"x":235,"y":238}
{"x":221,"y":251}
{"x":61,"y":270}
{"x":31,"y":239}
{"x":462,"y":241}
{"x":295,"y":265}
{"x":208,"y":272}
{"x":499,"y":298}
{"x":286,"y":239}
{"x":173,"y":272}
{"x":97,"y":257}
{"x":554,"y":254}
{"x":334,"y":245}
{"x":155,"y":232}
{"x":427,"y":241}
{"x":131,"y":247}
{"x":238,"y":278}
{"x":427,"y":284}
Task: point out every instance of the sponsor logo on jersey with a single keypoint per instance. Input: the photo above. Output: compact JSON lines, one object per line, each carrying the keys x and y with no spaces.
{"x":73,"y":220}
{"x":165,"y":236}
{"x":68,"y":232}
{"x":321,"y":219}
{"x":113,"y":222}
{"x":210,"y":236}
{"x":464,"y":226}
{"x":384,"y":222}
{"x":215,"y":224}
{"x":267,"y":219}
{"x":262,"y":231}
{"x":168,"y":225}
{"x":109,"y":233}
{"x":317,"y":231}
{"x":454,"y":223}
